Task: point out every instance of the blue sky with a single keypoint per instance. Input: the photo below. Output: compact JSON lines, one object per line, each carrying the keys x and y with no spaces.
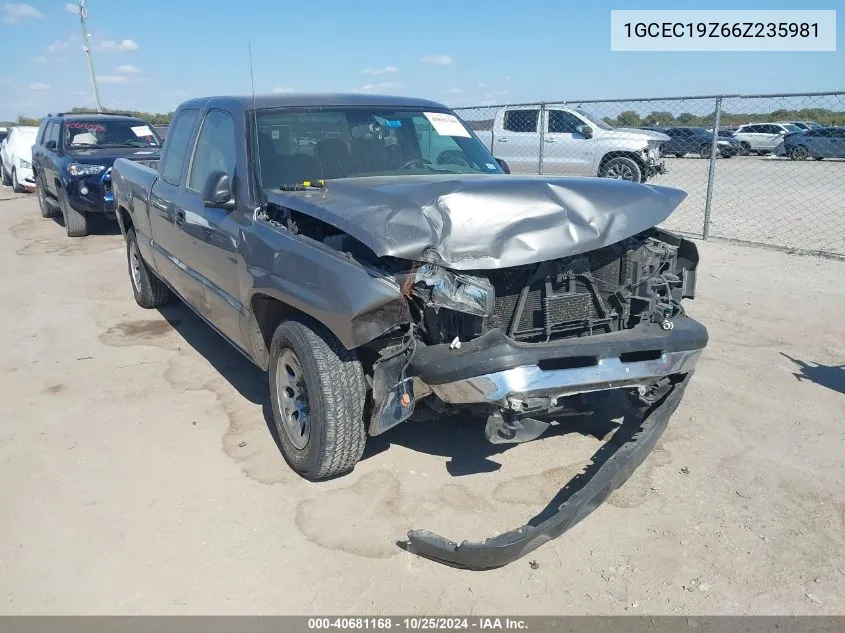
{"x":151,"y":55}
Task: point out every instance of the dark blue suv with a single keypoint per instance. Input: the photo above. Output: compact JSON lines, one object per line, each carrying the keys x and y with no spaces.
{"x":72,"y":160}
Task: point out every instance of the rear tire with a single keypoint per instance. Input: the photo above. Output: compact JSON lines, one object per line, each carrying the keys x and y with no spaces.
{"x":677,"y":155}
{"x":47,"y":209}
{"x":317,"y":393}
{"x":622,"y":168}
{"x":704,"y":150}
{"x":799,"y":152}
{"x":76,"y":223}
{"x":818,"y":157}
{"x":149,"y":290}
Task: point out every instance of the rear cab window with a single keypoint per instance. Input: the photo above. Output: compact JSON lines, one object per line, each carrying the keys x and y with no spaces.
{"x":521,"y":120}
{"x":176,"y":149}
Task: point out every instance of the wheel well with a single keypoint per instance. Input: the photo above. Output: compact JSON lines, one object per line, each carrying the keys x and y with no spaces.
{"x":632,"y":155}
{"x":124,"y":220}
{"x":267,"y":313}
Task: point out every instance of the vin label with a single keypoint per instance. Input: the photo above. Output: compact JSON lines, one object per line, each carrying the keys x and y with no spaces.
{"x":723,"y":30}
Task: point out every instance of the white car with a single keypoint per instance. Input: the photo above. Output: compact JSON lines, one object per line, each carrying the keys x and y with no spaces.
{"x":762,"y":138}
{"x":16,"y":158}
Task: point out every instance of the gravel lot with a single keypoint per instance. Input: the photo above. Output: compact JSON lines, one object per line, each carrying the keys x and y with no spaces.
{"x":138,"y":474}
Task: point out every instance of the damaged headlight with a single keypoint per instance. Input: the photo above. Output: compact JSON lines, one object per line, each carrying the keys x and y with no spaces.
{"x":462,"y":293}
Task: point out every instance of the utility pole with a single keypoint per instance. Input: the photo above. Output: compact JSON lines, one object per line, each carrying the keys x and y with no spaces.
{"x":83,"y":16}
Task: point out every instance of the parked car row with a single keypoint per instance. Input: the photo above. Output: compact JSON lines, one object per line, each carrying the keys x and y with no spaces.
{"x":696,"y":140}
{"x":67,"y":161}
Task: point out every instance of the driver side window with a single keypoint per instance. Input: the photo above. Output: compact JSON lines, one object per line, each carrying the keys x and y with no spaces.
{"x":215,"y":150}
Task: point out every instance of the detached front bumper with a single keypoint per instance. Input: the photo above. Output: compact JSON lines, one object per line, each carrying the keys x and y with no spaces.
{"x":494,"y":370}
{"x":612,"y":465}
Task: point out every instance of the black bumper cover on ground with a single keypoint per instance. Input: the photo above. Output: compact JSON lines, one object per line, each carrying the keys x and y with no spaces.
{"x":606,"y":474}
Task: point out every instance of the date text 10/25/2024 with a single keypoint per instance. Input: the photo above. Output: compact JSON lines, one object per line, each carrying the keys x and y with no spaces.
{"x":418,"y":623}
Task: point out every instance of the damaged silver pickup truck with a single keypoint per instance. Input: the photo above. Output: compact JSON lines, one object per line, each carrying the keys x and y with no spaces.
{"x":381,"y":265}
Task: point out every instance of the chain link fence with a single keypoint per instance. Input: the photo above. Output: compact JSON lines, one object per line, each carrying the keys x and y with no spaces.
{"x":773,"y":173}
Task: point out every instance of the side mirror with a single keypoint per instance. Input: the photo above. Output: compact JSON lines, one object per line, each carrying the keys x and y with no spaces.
{"x":503,"y":165}
{"x":51,"y":145}
{"x":585,"y":130}
{"x":218,"y":191}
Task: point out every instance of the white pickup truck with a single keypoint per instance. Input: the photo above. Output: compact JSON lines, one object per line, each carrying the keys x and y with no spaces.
{"x":570,"y":142}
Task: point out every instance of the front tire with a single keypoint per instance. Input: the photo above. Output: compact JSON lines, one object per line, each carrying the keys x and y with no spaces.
{"x":704,"y":150}
{"x":745,"y":148}
{"x":799,"y":152}
{"x":16,"y":186}
{"x":4,"y":175}
{"x":622,"y":168}
{"x":317,"y":394}
{"x":149,"y":290}
{"x":76,"y":223}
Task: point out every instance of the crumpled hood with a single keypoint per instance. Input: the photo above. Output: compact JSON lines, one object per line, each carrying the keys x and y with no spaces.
{"x":485,"y":221}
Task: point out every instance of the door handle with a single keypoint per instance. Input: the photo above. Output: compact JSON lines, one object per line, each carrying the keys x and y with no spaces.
{"x":503,"y":139}
{"x":180,"y":217}
{"x":549,"y":140}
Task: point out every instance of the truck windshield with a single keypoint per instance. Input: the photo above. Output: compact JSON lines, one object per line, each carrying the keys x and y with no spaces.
{"x":594,"y":120}
{"x":296,"y":146}
{"x":99,"y":133}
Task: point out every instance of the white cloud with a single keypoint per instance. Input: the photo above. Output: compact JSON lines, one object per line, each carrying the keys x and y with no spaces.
{"x":58,"y":45}
{"x":17,"y":12}
{"x":387,"y":70}
{"x":70,"y":7}
{"x":117,"y":47}
{"x":481,"y":84}
{"x":111,"y":79}
{"x":452,"y":91}
{"x":38,"y":86}
{"x":128,"y":70}
{"x":39,"y":60}
{"x":437,"y":60}
{"x":507,"y":77}
{"x":378,"y":87}
{"x":283,"y":90}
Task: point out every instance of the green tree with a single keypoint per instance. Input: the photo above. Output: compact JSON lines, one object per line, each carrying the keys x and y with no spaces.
{"x":687,"y":118}
{"x":628,"y":118}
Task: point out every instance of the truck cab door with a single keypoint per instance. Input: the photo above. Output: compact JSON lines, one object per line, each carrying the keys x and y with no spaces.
{"x":517,"y":141}
{"x":210,"y":233}
{"x":565,"y":149}
{"x":168,"y":200}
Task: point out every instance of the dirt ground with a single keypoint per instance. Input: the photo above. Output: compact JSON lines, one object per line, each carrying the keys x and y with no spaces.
{"x":138,"y":475}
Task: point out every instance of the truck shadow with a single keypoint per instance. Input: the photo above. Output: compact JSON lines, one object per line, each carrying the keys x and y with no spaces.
{"x":460,"y":439}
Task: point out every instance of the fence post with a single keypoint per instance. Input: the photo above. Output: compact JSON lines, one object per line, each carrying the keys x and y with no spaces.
{"x":711,"y":172}
{"x":542,"y":137}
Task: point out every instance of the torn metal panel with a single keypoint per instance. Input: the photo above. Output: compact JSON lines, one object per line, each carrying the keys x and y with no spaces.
{"x":467,"y":222}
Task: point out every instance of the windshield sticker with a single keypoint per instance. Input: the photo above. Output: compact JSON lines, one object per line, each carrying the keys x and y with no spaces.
{"x":490,"y":166}
{"x":392,"y":123}
{"x":142,"y":130}
{"x":82,"y":125}
{"x":446,"y":124}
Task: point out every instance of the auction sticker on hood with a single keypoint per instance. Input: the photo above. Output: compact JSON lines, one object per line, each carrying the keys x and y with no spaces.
{"x":142,"y":130}
{"x":446,"y":124}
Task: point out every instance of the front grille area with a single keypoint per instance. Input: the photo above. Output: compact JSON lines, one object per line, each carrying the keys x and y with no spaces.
{"x":565,"y":297}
